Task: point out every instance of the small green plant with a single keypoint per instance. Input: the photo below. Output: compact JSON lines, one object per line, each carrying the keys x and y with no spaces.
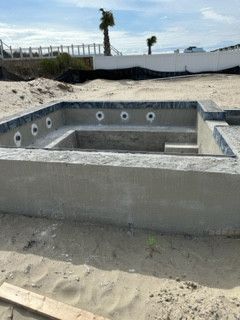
{"x":152,"y":245}
{"x":152,"y":241}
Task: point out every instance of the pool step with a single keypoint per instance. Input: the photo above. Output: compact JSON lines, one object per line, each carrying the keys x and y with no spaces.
{"x":181,"y":148}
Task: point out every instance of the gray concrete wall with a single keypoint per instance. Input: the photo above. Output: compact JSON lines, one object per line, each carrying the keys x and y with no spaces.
{"x":166,"y":200}
{"x":163,"y":117}
{"x":177,"y":194}
{"x":132,"y":140}
{"x":136,"y":117}
{"x":206,"y":141}
{"x":7,"y":139}
{"x":66,"y":141}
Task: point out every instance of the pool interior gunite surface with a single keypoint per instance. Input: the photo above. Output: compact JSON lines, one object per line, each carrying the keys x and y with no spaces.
{"x":168,"y":166}
{"x":170,"y":127}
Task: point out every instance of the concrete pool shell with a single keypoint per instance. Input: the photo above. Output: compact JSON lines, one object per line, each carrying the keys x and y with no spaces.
{"x":168,"y":166}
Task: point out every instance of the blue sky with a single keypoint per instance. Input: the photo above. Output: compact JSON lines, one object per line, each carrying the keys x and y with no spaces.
{"x":176,"y":23}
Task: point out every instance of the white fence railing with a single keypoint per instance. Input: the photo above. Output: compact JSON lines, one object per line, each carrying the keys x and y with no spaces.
{"x":175,"y":62}
{"x":7,"y":52}
{"x":236,"y":46}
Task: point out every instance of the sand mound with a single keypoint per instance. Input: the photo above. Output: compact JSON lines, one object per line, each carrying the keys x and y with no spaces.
{"x":18,"y":96}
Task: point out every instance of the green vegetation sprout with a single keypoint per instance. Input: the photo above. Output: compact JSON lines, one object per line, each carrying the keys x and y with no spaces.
{"x":152,"y":245}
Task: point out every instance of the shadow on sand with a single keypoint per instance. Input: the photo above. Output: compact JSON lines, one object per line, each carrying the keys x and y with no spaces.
{"x":209,"y":261}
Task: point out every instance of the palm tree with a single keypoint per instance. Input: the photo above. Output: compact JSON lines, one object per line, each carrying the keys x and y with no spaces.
{"x":107,"y":20}
{"x":150,"y":42}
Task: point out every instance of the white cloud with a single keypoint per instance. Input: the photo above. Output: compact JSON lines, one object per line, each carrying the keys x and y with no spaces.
{"x":177,"y":31}
{"x":210,"y":14}
{"x":27,"y":36}
{"x":108,"y":4}
{"x":125,"y":5}
{"x":172,"y":37}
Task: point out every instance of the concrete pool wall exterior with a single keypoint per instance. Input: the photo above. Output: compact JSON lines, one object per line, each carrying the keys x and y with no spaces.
{"x":169,"y":193}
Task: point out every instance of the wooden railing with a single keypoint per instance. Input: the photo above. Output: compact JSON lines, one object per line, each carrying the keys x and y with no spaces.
{"x":7,"y":52}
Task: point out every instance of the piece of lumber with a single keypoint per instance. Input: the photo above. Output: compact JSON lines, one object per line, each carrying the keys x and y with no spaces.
{"x":47,"y":307}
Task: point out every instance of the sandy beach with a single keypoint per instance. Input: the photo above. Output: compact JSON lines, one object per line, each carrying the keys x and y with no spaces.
{"x":109,"y":270}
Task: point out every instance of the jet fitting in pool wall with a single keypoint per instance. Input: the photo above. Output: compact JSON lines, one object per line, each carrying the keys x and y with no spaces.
{"x":18,"y":139}
{"x":49,"y":123}
{"x":34,"y":129}
{"x":124,"y":116}
{"x":150,"y":116}
{"x":100,"y":115}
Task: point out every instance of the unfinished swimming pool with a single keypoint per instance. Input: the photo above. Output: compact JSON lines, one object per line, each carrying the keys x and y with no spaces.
{"x":170,"y":166}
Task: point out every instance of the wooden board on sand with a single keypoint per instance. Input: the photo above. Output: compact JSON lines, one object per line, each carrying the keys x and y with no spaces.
{"x":49,"y":308}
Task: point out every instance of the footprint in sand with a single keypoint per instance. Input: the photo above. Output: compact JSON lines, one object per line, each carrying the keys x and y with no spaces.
{"x":67,"y":291}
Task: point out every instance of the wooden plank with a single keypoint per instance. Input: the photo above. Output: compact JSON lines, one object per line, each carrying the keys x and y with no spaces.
{"x":42,"y":305}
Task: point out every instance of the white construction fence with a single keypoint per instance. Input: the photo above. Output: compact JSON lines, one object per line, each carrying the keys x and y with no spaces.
{"x":175,"y":62}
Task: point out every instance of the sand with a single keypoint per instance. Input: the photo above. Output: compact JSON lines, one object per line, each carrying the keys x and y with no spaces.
{"x":109,"y":270}
{"x":223,"y":89}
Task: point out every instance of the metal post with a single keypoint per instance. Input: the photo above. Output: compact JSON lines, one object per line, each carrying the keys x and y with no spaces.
{"x":61,"y":49}
{"x":30,"y":52}
{"x":40,"y":52}
{"x":99,"y":49}
{"x":1,"y":50}
{"x":51,"y":51}
{"x":218,"y":58}
{"x":72,"y":50}
{"x":21,"y":54}
{"x":78,"y":50}
{"x":94,"y":48}
{"x":89,"y":50}
{"x":83,"y":49}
